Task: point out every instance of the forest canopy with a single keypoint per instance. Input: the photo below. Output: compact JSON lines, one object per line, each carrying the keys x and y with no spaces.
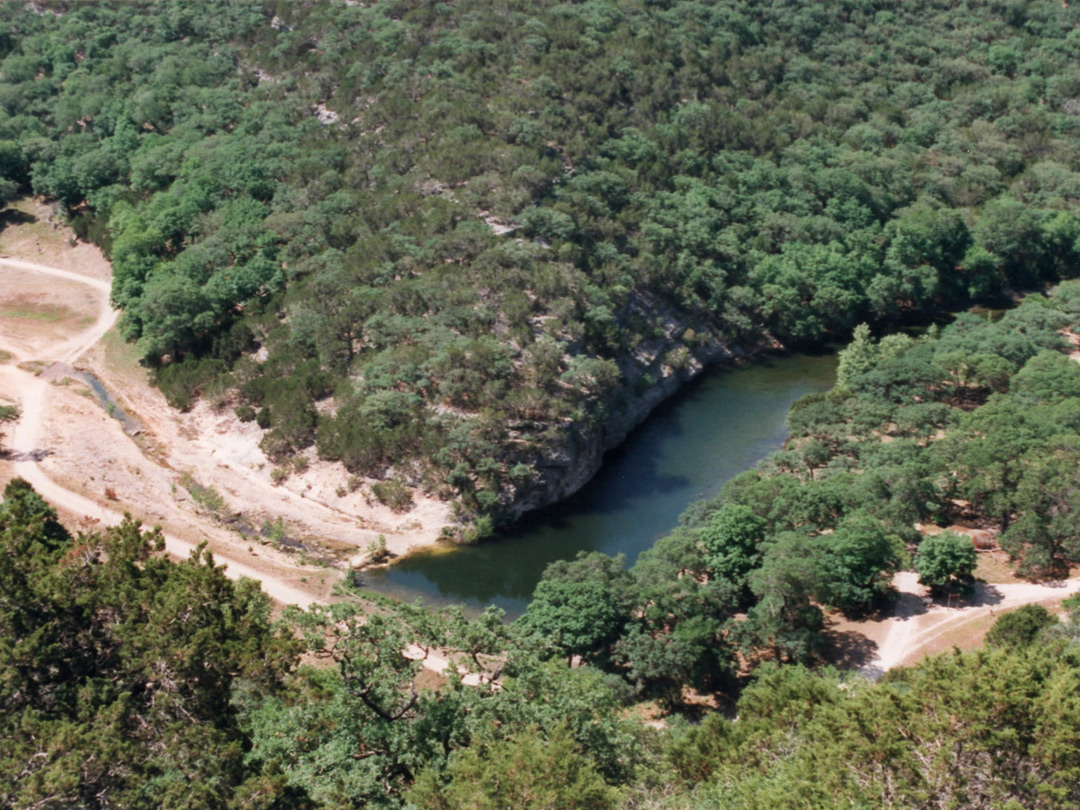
{"x":129,"y":680}
{"x":441,"y":243}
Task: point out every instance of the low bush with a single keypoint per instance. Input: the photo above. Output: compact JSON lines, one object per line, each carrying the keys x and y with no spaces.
{"x":393,"y":493}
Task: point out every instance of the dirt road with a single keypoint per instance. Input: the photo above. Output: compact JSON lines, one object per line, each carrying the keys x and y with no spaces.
{"x":33,"y":390}
{"x":26,"y":444}
{"x":71,"y":452}
{"x":917,"y":623}
{"x":52,"y":287}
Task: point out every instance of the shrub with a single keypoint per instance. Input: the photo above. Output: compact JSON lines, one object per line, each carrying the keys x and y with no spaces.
{"x":393,"y":493}
{"x":207,"y":498}
{"x":276,"y":446}
{"x":376,"y":550}
{"x":484,"y":528}
{"x":1019,"y":628}
{"x":181,"y":383}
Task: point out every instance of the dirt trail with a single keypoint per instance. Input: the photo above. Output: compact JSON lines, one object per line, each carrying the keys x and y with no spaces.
{"x":49,"y":408}
{"x":32,"y":392}
{"x":276,"y":589}
{"x":75,"y":454}
{"x":909,"y":605}
{"x":319,"y":508}
{"x":19,"y":264}
{"x":77,"y":346}
{"x":26,"y":438}
{"x":917,"y":623}
{"x":1074,"y":341}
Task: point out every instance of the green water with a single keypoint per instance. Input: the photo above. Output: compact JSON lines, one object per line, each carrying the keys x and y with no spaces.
{"x":720,"y":425}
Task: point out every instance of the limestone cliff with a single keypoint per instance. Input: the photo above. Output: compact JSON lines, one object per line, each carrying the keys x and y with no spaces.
{"x":655,"y":370}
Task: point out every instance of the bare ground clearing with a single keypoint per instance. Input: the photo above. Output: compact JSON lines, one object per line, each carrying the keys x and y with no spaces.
{"x":78,"y":457}
{"x":81,"y":460}
{"x":35,"y":317}
{"x":34,"y":233}
{"x":88,"y":452}
{"x":919,"y":627}
{"x":220,"y":452}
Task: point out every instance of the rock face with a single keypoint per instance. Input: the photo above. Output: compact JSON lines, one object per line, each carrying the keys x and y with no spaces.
{"x":656,"y":369}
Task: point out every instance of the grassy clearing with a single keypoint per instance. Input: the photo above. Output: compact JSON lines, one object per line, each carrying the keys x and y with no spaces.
{"x":122,"y":357}
{"x":27,"y":224}
{"x":966,"y":636}
{"x":994,"y":568}
{"x":46,"y":312}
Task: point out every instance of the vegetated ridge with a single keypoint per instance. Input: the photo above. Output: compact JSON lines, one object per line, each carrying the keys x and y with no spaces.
{"x":458,"y":248}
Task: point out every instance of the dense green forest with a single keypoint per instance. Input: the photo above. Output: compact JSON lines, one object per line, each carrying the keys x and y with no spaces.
{"x":445,"y":242}
{"x":127,"y":680}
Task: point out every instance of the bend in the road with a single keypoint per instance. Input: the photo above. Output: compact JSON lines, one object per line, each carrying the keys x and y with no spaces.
{"x":26,"y":439}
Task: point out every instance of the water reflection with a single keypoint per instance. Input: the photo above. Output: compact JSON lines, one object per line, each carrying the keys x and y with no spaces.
{"x":717,"y":427}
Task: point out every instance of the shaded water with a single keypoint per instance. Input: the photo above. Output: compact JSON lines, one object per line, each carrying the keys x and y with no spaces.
{"x":112,"y":407}
{"x":720,"y":425}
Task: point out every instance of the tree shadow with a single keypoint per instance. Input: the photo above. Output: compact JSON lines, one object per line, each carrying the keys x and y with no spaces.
{"x":13,"y":216}
{"x":982,"y":595}
{"x":694,"y":706}
{"x":1052,"y":576}
{"x":909,"y":605}
{"x":897,"y":605}
{"x":848,"y":649}
{"x":29,"y":455}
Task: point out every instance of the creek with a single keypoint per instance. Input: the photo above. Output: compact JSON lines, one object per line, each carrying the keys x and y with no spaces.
{"x":716,"y":427}
{"x":108,"y":402}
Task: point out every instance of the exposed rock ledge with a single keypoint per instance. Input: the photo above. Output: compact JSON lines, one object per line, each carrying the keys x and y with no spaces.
{"x":570,"y":466}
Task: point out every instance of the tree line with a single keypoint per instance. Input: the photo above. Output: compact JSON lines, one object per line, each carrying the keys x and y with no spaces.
{"x":129,"y":680}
